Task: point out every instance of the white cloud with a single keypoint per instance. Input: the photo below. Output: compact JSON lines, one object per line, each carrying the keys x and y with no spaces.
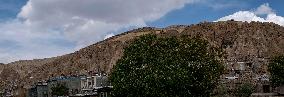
{"x":264,"y":9}
{"x":254,"y":15}
{"x":43,"y":28}
{"x":85,"y":22}
{"x":242,"y":16}
{"x":275,"y":19}
{"x":22,"y":42}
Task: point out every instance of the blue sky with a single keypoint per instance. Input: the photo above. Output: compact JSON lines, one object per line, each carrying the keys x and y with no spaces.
{"x":10,"y":8}
{"x":190,"y":14}
{"x":196,"y":13}
{"x":45,"y":28}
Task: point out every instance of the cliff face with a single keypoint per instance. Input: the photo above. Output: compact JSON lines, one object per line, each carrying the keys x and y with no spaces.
{"x":241,"y":40}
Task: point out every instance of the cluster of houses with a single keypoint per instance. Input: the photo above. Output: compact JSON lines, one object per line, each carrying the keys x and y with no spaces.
{"x":96,"y":85}
{"x":254,"y":72}
{"x":237,"y":73}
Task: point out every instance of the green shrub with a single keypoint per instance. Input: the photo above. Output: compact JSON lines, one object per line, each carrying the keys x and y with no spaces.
{"x":59,"y":90}
{"x":276,"y":69}
{"x":245,"y":90}
{"x":221,"y":91}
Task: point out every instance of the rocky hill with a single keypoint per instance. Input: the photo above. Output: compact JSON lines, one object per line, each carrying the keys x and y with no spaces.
{"x":241,"y":41}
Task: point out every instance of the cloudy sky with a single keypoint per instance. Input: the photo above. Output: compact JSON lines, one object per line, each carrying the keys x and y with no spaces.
{"x":32,"y":29}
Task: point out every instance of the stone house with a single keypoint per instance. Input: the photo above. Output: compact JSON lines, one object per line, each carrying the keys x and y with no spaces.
{"x":253,"y":71}
{"x":90,"y":84}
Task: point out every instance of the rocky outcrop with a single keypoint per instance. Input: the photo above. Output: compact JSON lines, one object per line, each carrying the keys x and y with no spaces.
{"x":240,"y":40}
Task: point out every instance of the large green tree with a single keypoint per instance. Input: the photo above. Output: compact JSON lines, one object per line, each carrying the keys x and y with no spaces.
{"x":154,"y":66}
{"x":276,"y":69}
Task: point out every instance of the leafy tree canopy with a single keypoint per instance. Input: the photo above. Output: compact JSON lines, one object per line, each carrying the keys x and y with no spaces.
{"x":153,"y":66}
{"x":276,"y":69}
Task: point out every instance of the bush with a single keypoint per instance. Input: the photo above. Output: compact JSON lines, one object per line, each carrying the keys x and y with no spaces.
{"x":244,"y":90}
{"x":59,"y":90}
{"x":221,"y":91}
{"x":153,"y":66}
{"x":276,"y":69}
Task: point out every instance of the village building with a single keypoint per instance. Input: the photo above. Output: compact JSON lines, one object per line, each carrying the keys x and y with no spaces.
{"x":90,"y":84}
{"x":252,"y":71}
{"x":40,"y":89}
{"x":78,"y":86}
{"x":71,"y":82}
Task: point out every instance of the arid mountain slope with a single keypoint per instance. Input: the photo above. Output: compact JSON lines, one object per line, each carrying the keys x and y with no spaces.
{"x":241,"y":41}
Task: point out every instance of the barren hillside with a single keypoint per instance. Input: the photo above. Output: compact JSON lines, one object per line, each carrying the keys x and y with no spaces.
{"x":240,"y":40}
